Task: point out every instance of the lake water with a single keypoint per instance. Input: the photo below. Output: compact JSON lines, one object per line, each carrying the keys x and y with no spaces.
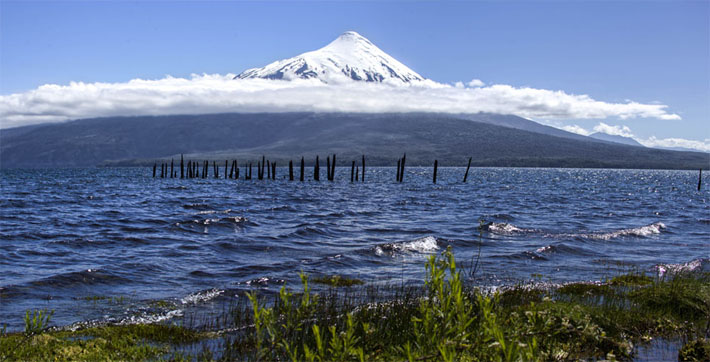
{"x":122,"y":239}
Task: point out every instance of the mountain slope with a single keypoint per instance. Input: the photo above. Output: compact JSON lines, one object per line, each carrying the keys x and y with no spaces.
{"x":349,"y":57}
{"x":282,"y":136}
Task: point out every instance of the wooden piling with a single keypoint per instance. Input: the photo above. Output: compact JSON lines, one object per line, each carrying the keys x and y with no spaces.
{"x":290,"y":170}
{"x":172,"y":161}
{"x":302,"y":168}
{"x":155,"y":165}
{"x":700,"y":178}
{"x":436,"y":165}
{"x":231,"y":170}
{"x":182,"y":164}
{"x":401,"y":172}
{"x":357,"y":172}
{"x":316,"y":170}
{"x":268,"y":170}
{"x":236,"y":170}
{"x":327,"y":172}
{"x":250,"y":169}
{"x":259,"y":170}
{"x":226,"y":165}
{"x":273,"y":170}
{"x":398,"y":168}
{"x":352,"y":173}
{"x":363,"y":169}
{"x":332,"y":171}
{"x":465,"y":176}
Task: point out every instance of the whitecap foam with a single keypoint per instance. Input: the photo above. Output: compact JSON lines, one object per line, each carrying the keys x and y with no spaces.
{"x":201,"y":297}
{"x":643,"y":231}
{"x":152,"y":318}
{"x":544,"y":249}
{"x":690,"y":266}
{"x":422,"y":245}
{"x":502,"y":228}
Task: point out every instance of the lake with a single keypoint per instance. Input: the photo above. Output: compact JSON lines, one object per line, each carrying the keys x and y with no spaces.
{"x":109,"y":244}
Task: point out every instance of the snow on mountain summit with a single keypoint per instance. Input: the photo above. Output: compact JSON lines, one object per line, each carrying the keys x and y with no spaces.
{"x":351,"y":56}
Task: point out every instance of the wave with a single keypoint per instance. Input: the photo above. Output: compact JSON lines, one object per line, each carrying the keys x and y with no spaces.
{"x":264,"y":281}
{"x":229,"y":221}
{"x":642,"y":231}
{"x":503,"y":228}
{"x":151,"y":318}
{"x":422,"y":245}
{"x":83,"y":277}
{"x":201,"y":297}
{"x":691,"y":266}
{"x":545,"y":252}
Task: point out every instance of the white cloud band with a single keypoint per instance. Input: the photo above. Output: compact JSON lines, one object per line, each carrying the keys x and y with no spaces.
{"x":625,"y":131}
{"x":220,"y":93}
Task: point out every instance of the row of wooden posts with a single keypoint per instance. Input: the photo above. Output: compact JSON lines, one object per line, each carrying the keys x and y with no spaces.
{"x":192,"y":169}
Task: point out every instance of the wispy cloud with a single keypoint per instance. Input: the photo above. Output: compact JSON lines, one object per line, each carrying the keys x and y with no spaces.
{"x":220,"y":93}
{"x":575,"y":129}
{"x":625,"y":131}
{"x":676,"y":143}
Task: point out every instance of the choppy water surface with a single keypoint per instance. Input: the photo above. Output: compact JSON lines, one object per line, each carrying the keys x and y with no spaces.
{"x":124,"y":238}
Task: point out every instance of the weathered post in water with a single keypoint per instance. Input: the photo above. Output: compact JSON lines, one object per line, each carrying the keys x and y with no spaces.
{"x":398,"y":168}
{"x":302,"y":168}
{"x":357,"y":172}
{"x":290,"y":170}
{"x":465,"y":176}
{"x":700,"y":178}
{"x":155,"y":164}
{"x":363,"y":169}
{"x":268,"y":170}
{"x":401,"y":172}
{"x":316,"y":169}
{"x":171,"y":167}
{"x":236,"y":170}
{"x":182,"y":169}
{"x":332,"y":171}
{"x":273,"y":170}
{"x":327,"y":172}
{"x":436,"y":165}
{"x":352,"y":173}
{"x":216,"y":169}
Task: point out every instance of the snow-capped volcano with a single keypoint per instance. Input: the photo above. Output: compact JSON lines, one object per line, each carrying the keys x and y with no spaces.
{"x":350,"y":56}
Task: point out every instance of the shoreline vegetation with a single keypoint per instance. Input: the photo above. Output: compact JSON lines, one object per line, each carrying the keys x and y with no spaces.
{"x":446,"y":319}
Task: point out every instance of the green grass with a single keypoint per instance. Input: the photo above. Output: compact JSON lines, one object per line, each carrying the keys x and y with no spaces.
{"x":111,"y":342}
{"x":445,"y":319}
{"x":337,"y":281}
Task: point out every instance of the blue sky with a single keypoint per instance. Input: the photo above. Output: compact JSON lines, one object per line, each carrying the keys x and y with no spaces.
{"x":648,"y":52}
